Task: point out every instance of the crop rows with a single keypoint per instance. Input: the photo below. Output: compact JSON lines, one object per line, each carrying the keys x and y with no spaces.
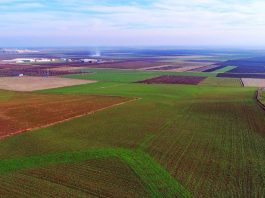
{"x":98,"y":177}
{"x":218,"y":160}
{"x":157,"y":181}
{"x":210,"y":139}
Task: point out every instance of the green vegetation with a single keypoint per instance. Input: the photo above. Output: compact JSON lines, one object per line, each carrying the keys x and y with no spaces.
{"x":91,"y":178}
{"x":209,"y":139}
{"x":111,"y":75}
{"x":225,"y":69}
{"x":141,"y":163}
{"x":222,"y":82}
{"x":6,"y":95}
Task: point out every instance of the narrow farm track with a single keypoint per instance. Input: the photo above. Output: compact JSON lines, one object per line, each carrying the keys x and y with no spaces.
{"x":259,"y":98}
{"x":156,"y":180}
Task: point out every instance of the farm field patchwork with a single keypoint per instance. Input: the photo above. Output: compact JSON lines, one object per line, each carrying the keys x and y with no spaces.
{"x":23,"y":111}
{"x":30,"y":83}
{"x":187,"y":68}
{"x":209,"y":139}
{"x":247,"y":65}
{"x":222,"y":82}
{"x":126,"y":76}
{"x":179,"y":67}
{"x":128,"y":64}
{"x":169,"y":79}
{"x":145,"y":64}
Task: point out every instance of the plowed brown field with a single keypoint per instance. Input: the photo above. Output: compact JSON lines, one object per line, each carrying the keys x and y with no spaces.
{"x":23,"y":111}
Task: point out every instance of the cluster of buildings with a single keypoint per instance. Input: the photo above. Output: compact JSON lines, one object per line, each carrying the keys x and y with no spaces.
{"x":33,"y":60}
{"x":52,"y":60}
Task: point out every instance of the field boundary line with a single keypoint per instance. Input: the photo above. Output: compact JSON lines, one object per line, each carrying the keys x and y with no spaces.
{"x":258,"y":96}
{"x":67,"y":119}
{"x":242,"y":82}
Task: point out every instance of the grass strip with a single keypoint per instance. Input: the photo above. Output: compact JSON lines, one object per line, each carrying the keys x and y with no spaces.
{"x":225,"y":69}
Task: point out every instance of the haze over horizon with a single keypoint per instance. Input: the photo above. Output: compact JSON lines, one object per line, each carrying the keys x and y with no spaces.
{"x":138,"y":22}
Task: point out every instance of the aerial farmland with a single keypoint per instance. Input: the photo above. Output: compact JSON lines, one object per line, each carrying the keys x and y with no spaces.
{"x":112,"y":129}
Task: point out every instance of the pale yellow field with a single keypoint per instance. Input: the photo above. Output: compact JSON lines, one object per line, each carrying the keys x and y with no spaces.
{"x":29,"y":83}
{"x":251,"y":82}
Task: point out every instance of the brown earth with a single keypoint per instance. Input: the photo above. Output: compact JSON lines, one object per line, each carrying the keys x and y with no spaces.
{"x":20,"y":112}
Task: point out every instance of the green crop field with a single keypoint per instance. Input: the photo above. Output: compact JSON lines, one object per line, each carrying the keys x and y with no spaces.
{"x":71,"y":180}
{"x":177,"y":140}
{"x":222,"y":82}
{"x":6,"y":95}
{"x":225,"y":69}
{"x":111,"y":75}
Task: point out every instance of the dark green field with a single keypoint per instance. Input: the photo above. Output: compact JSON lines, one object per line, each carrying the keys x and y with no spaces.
{"x":174,"y":141}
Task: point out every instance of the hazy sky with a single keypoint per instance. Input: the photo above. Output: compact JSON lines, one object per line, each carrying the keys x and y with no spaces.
{"x":136,"y":22}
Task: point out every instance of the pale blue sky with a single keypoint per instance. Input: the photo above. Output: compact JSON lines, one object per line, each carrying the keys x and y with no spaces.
{"x":135,"y":22}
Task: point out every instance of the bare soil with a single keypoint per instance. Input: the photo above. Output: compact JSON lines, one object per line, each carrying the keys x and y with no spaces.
{"x":30,"y":83}
{"x":25,"y":111}
{"x":251,"y":82}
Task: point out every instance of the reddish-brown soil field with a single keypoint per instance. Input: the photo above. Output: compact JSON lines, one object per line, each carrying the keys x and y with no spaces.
{"x":23,"y":111}
{"x":191,"y":80}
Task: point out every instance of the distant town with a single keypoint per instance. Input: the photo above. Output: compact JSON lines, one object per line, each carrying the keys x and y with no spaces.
{"x":51,"y":60}
{"x":18,"y":51}
{"x":30,"y":56}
